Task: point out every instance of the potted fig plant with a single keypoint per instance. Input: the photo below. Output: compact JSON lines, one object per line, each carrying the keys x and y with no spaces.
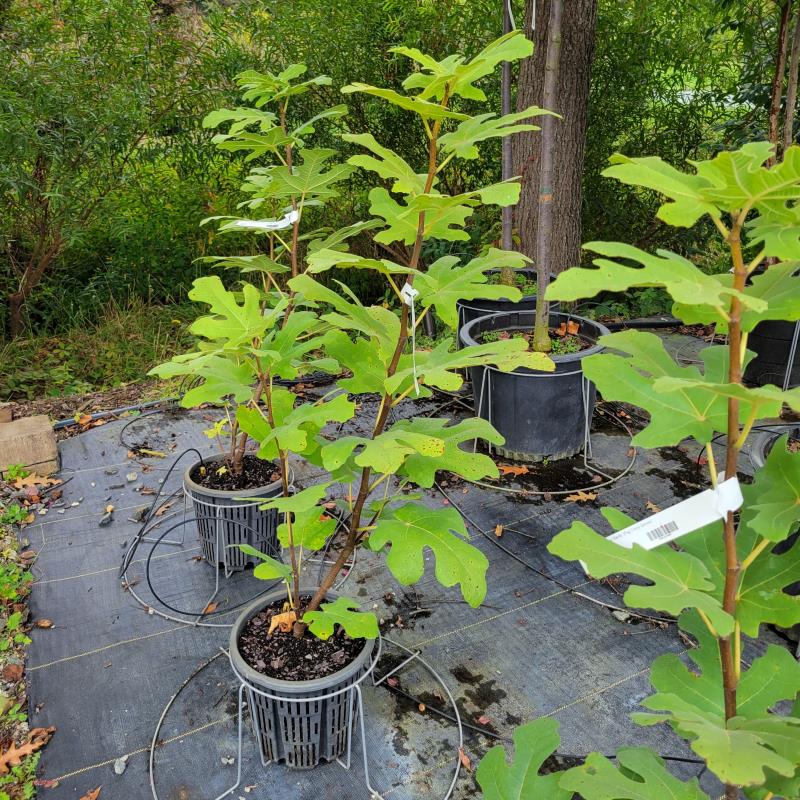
{"x":723,"y":570}
{"x":302,"y":640}
{"x":222,"y":489}
{"x":541,"y":415}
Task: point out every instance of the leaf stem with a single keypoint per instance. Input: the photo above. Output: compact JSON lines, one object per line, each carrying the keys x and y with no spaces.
{"x":707,"y":622}
{"x":755,"y":553}
{"x":712,"y":464}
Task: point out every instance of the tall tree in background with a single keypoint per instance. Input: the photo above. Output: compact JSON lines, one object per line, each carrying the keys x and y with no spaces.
{"x":572,"y":96}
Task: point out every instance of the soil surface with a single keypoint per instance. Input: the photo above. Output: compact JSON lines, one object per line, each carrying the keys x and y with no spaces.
{"x":288,"y":658}
{"x":563,"y":342}
{"x":255,"y":473}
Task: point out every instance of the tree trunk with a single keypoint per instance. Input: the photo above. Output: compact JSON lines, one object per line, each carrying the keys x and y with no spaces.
{"x":544,"y":231}
{"x":577,"y":50}
{"x":791,"y":86}
{"x":777,"y":81}
{"x":15,"y":302}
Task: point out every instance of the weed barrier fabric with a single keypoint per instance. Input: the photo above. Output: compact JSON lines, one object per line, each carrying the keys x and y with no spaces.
{"x":106,"y":670}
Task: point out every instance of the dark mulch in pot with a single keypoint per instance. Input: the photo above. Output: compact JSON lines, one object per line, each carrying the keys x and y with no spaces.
{"x":288,"y":658}
{"x":256,"y":472}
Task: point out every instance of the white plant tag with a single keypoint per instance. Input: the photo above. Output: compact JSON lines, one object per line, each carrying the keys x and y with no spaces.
{"x":409,"y":294}
{"x":678,"y":520}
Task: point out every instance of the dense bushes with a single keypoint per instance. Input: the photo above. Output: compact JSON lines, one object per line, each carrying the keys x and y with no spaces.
{"x":104,"y":163}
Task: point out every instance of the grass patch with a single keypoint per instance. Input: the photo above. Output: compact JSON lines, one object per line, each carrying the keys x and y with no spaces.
{"x":119,"y":349}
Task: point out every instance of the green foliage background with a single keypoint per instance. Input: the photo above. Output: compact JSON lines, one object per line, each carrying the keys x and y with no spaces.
{"x":683,"y":79}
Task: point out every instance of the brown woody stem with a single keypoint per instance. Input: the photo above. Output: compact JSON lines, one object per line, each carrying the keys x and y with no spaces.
{"x":355,"y":533}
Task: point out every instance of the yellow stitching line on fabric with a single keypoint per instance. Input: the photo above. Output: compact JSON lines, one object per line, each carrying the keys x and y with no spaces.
{"x":497,"y":616}
{"x":389,"y":791}
{"x":89,"y":515}
{"x":113,"y":569}
{"x":161,"y":744}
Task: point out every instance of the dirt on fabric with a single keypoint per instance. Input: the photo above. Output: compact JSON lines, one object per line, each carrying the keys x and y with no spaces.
{"x":284,"y":656}
{"x":256,"y":473}
{"x":72,"y":405}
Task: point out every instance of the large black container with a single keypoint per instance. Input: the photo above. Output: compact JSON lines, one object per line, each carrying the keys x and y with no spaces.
{"x":772,"y":343}
{"x":469,"y":310}
{"x":540,"y":414}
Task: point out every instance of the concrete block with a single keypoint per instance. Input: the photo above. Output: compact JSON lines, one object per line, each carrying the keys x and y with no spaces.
{"x":5,"y":412}
{"x":31,"y":442}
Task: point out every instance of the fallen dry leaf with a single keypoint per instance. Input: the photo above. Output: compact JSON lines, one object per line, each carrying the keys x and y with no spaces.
{"x":464,"y":759}
{"x":43,"y":623}
{"x":163,"y":509}
{"x":34,"y":480}
{"x":93,"y":794}
{"x":498,"y":531}
{"x":12,"y":672}
{"x":483,"y":720}
{"x":652,"y":507}
{"x":37,"y":738}
{"x":284,"y":622}
{"x":511,"y":469}
{"x":109,"y":508}
{"x":392,"y":682}
{"x":581,"y":497}
{"x":210,"y":608}
{"x":573,"y":327}
{"x":46,"y":783}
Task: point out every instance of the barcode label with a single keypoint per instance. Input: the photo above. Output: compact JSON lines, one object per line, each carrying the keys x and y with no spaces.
{"x":659,"y":532}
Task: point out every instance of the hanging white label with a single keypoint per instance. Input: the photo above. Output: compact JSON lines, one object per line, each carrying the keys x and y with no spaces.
{"x":678,"y":520}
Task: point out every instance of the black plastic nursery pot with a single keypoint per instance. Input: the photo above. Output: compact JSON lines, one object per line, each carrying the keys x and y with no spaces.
{"x":772,"y":342}
{"x":229,"y":515}
{"x":299,"y":723}
{"x":540,"y":414}
{"x":469,"y":310}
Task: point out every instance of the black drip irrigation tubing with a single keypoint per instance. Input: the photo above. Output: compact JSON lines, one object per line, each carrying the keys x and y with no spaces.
{"x":493,"y":539}
{"x":143,"y":532}
{"x":396,"y":690}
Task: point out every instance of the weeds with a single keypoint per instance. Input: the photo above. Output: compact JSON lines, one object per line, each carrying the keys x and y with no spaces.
{"x":121,"y":348}
{"x":15,"y":580}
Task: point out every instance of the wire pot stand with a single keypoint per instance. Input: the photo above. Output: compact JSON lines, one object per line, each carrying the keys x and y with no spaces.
{"x":200,"y":617}
{"x":355,"y":714}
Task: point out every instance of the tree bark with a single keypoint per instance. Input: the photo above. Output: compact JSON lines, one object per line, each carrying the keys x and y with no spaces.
{"x":777,"y":81}
{"x":791,"y":86}
{"x":544,"y":232}
{"x":577,"y":50}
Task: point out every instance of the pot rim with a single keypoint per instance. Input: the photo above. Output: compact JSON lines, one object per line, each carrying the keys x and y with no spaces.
{"x":195,"y":488}
{"x":764,"y":440}
{"x":277,"y":685}
{"x":466,"y":337}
